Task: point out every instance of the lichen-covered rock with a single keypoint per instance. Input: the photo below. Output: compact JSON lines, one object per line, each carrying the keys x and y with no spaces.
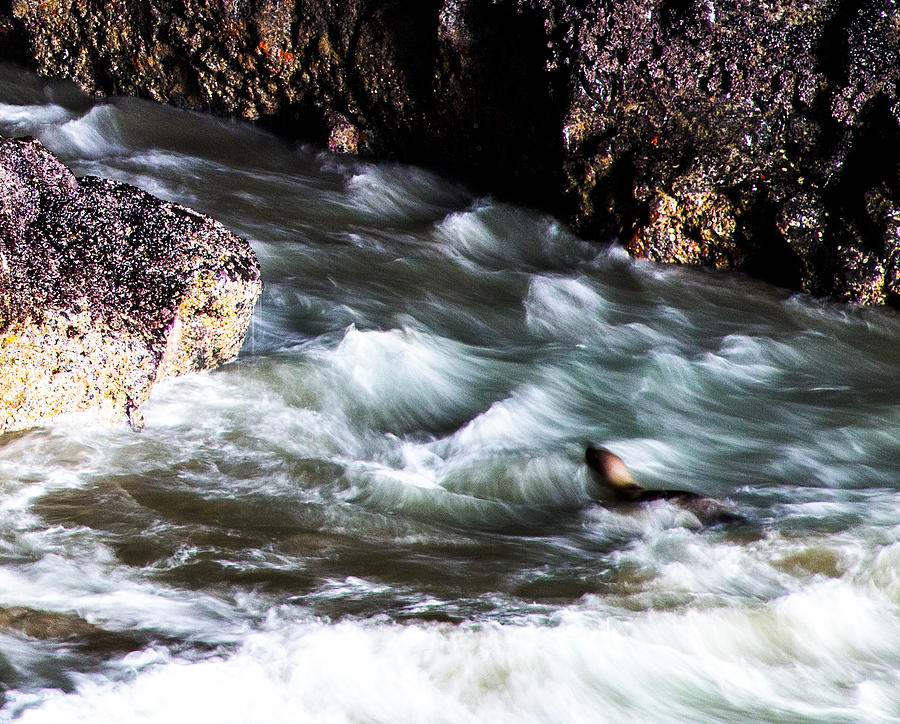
{"x":693,"y":224}
{"x":105,"y":290}
{"x":761,"y":135}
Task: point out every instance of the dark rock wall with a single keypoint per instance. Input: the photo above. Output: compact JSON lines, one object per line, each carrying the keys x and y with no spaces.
{"x":752,"y":134}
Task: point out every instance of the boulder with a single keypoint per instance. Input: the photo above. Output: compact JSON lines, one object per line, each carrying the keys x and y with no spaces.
{"x":105,"y":290}
{"x":760,"y":135}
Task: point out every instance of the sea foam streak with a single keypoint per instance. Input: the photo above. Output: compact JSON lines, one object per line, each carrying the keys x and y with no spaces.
{"x":716,"y":664}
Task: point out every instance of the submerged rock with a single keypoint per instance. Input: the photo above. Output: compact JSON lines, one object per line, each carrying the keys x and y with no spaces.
{"x":106,"y":290}
{"x":759,"y":135}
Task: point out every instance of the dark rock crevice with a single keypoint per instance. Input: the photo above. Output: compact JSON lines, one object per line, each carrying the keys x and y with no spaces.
{"x":13,"y":39}
{"x":499,"y":105}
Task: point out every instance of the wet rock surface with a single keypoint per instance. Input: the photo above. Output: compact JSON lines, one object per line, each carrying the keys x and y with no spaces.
{"x":760,"y":136}
{"x":105,"y":290}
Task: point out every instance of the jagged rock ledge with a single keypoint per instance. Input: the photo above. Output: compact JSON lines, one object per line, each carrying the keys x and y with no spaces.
{"x":106,"y":290}
{"x":761,"y":135}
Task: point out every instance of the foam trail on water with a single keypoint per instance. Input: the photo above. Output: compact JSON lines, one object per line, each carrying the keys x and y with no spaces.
{"x":715,"y":663}
{"x":397,"y":194}
{"x":24,"y":120}
{"x":494,"y":235}
{"x":404,"y":377}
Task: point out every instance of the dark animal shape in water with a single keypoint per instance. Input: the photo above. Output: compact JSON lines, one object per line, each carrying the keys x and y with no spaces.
{"x":611,"y":474}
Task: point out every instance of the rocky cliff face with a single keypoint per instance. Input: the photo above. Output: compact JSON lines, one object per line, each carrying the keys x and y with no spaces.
{"x":746,"y":134}
{"x":105,"y":290}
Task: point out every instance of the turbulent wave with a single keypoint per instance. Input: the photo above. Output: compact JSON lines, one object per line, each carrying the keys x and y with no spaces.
{"x":718,"y":664}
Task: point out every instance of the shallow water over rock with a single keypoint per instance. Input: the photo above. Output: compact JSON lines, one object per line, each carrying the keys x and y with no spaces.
{"x":380,"y":512}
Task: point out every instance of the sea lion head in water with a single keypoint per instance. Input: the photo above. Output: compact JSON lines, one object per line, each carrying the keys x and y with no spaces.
{"x":611,"y":474}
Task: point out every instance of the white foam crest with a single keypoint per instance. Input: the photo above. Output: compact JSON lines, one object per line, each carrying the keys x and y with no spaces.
{"x":850,"y":633}
{"x":602,"y":523}
{"x":812,"y":652}
{"x":478,"y":486}
{"x":822,"y":313}
{"x":27,"y":120}
{"x":404,"y":377}
{"x":385,"y":472}
{"x":825,"y":461}
{"x":167,"y":175}
{"x":58,"y":457}
{"x":416,"y":495}
{"x":684,"y":563}
{"x":95,"y":135}
{"x":564,"y":307}
{"x":724,"y":664}
{"x":671,"y":388}
{"x":253,"y":415}
{"x":677,"y":397}
{"x":838,"y":456}
{"x":95,"y":588}
{"x":679,"y":567}
{"x":549,"y":481}
{"x":498,"y":235}
{"x":382,"y":474}
{"x":580,"y":310}
{"x":882,"y":571}
{"x":401,"y":194}
{"x":266,"y":406}
{"x":531,"y":416}
{"x":745,"y":360}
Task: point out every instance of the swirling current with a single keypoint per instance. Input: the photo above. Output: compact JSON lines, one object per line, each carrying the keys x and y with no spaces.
{"x":379,"y":512}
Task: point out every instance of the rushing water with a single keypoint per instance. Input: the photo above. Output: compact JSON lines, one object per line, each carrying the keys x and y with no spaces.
{"x":379,"y":512}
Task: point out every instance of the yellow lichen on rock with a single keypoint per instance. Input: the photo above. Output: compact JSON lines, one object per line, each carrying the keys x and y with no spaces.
{"x":690,"y":225}
{"x":210,"y":324}
{"x":68,"y":363}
